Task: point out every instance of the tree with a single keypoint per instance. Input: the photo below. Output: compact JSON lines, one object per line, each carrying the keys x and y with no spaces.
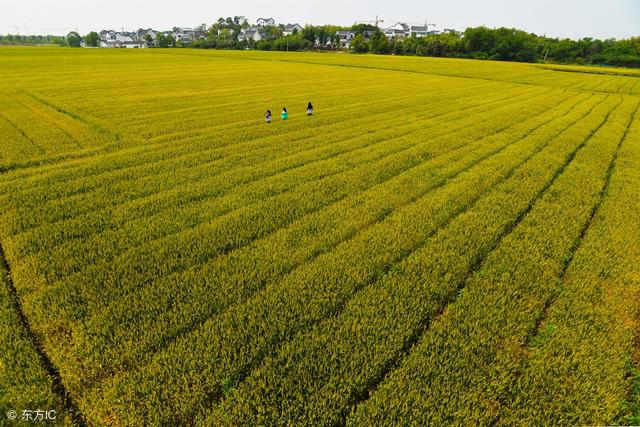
{"x":74,"y":39}
{"x":359,"y":44}
{"x":309,"y":34}
{"x":397,"y":46}
{"x":160,"y":40}
{"x":410,"y":45}
{"x":60,"y":41}
{"x":148,"y":39}
{"x":92,"y":39}
{"x":379,"y":43}
{"x":273,"y":32}
{"x":165,"y":40}
{"x":365,"y":29}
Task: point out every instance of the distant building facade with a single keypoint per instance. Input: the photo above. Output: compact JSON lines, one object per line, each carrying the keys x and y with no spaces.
{"x":251,"y":34}
{"x":291,"y":29}
{"x":403,"y":30}
{"x":264,"y":22}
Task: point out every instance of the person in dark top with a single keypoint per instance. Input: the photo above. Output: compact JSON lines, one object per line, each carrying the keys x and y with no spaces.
{"x":309,"y":109}
{"x":267,"y":116}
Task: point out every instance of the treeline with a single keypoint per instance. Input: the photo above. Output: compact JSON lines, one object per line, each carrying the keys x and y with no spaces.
{"x":501,"y":44}
{"x":11,"y":39}
{"x":505,"y":44}
{"x":73,"y":39}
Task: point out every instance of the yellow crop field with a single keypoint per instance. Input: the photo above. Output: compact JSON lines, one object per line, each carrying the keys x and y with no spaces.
{"x":442,"y":242}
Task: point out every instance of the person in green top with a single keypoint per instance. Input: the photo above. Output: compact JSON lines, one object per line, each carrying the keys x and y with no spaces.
{"x":285,"y":114}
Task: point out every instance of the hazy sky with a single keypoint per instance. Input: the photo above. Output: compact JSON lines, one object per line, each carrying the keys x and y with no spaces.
{"x":560,"y":18}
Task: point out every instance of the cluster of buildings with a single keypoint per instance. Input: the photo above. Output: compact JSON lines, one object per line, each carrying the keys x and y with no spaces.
{"x":257,"y":32}
{"x":141,"y":37}
{"x":399,"y":30}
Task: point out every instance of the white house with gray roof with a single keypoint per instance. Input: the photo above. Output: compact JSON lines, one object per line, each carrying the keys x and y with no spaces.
{"x":403,"y":30}
{"x":263,"y":22}
{"x":345,"y":38}
{"x":398,"y":30}
{"x":290,"y":29}
{"x":254,"y":33}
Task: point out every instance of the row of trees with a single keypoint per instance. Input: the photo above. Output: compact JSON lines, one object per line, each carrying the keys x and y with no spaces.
{"x":506,"y":44}
{"x":502,"y":44}
{"x":72,"y":39}
{"x":11,"y":39}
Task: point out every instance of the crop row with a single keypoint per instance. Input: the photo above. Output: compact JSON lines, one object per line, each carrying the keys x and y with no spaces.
{"x":380,"y":321}
{"x":205,"y":187}
{"x":169,"y":213}
{"x":15,"y":146}
{"x":261,"y":158}
{"x":239,"y":337}
{"x":230,"y":129}
{"x":223,"y":202}
{"x":586,"y":348}
{"x":30,"y":134}
{"x":468,"y":359}
{"x":198,"y":284}
{"x":132,"y":271}
{"x":90,"y":174}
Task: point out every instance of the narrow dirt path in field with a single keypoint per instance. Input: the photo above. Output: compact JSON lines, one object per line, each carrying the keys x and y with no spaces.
{"x":48,"y":366}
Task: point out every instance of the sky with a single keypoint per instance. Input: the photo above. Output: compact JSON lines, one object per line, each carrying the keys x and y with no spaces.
{"x":556,"y":18}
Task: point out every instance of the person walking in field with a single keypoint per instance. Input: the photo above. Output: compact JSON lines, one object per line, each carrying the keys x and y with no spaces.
{"x":267,"y":116}
{"x":285,"y":114}
{"x":309,"y":109}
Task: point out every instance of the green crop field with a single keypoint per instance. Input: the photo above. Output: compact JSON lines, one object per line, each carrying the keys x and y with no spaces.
{"x":442,"y":242}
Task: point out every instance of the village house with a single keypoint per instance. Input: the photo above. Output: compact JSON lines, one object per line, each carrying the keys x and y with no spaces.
{"x":107,"y":35}
{"x":264,"y":22}
{"x":345,"y":38}
{"x":291,"y":29}
{"x":328,"y":43}
{"x":399,"y":30}
{"x":419,"y":30}
{"x":255,"y":34}
{"x":124,"y":36}
{"x":183,"y":35}
{"x":402,"y":30}
{"x":141,"y":33}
